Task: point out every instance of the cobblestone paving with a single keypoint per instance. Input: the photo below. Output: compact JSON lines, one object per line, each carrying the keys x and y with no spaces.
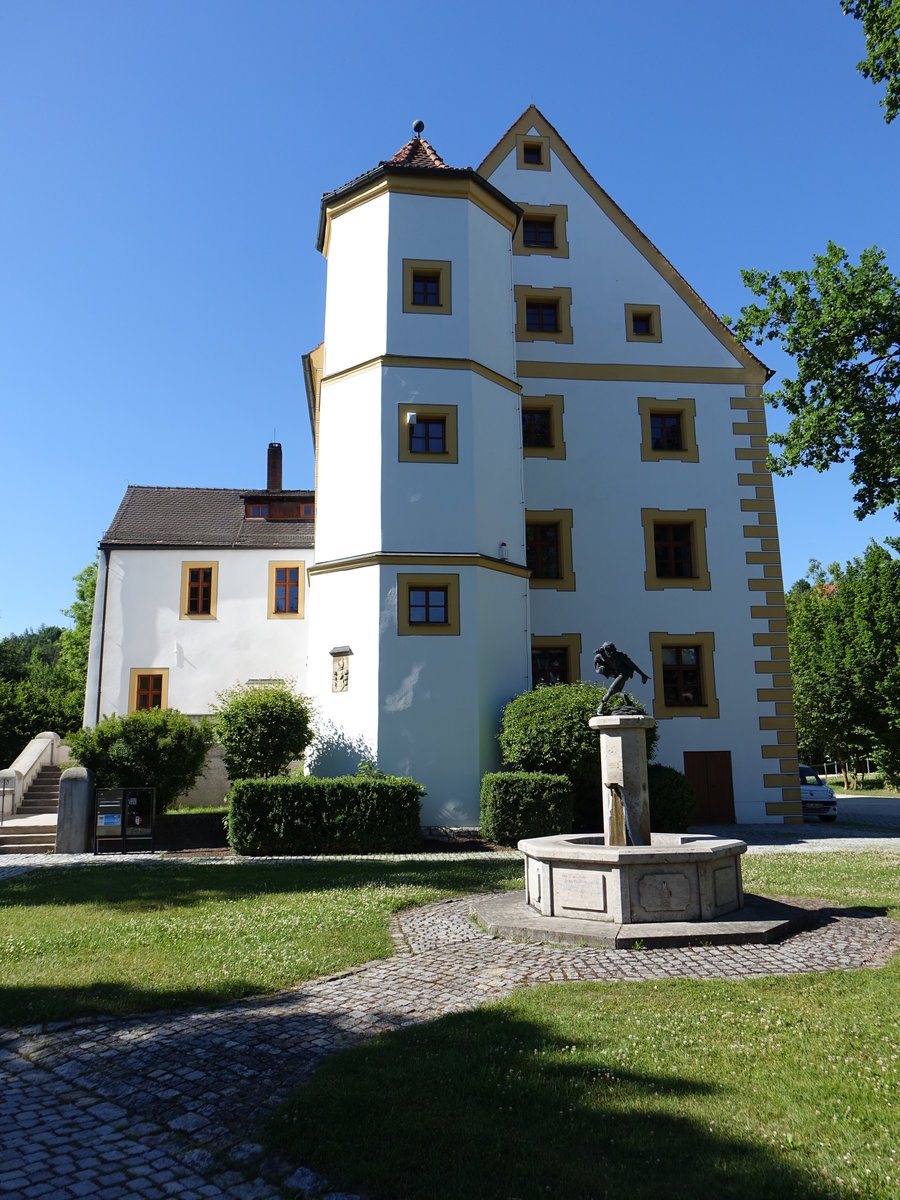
{"x":167,"y":1104}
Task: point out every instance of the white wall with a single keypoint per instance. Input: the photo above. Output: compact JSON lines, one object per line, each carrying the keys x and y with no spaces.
{"x":203,"y":657}
{"x":605,"y":271}
{"x":355,"y":301}
{"x":441,"y":696}
{"x":345,"y":610}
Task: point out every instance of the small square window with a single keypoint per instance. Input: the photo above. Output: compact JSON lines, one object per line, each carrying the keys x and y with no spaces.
{"x":642,"y":323}
{"x":149,"y":688}
{"x":668,"y":430}
{"x":542,"y":316}
{"x":426,"y":288}
{"x":428,"y":606}
{"x":539,"y":231}
{"x":428,"y":436}
{"x":549,"y":666}
{"x":532,"y":152}
{"x":543,"y":229}
{"x":555,"y":659}
{"x":427,"y":433}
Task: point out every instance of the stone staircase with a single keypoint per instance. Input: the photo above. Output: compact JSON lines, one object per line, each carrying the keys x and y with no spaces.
{"x":33,"y":829}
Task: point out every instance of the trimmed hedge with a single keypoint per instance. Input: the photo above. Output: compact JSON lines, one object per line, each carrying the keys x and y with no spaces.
{"x":352,"y":814}
{"x":672,"y":799}
{"x":524,"y":804}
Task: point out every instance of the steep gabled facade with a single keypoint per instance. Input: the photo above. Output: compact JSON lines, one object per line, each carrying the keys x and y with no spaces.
{"x":531,"y":436}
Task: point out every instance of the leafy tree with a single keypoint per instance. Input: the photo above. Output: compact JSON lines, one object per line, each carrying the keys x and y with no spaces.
{"x":75,"y":643}
{"x":262,"y":728}
{"x":844,"y":633}
{"x":158,"y":747}
{"x":825,"y":708}
{"x":841,"y":324}
{"x":881,"y":25}
{"x":35,"y":693}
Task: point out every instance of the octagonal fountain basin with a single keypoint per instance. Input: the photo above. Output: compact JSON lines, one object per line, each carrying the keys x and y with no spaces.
{"x":678,"y":877}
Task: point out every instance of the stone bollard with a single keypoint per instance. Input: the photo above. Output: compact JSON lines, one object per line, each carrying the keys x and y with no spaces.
{"x":75,"y":818}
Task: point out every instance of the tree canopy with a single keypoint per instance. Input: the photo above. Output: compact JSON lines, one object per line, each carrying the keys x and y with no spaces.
{"x":844,"y":635}
{"x":43,"y":673}
{"x":840,"y":322}
{"x":881,"y":25}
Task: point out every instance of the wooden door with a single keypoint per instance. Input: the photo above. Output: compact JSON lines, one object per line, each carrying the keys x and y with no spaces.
{"x":710,"y":773}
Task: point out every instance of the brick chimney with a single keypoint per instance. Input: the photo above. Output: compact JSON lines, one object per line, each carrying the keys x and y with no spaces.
{"x":273,"y":467}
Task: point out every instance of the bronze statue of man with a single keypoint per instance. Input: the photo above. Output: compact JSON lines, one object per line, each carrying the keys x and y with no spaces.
{"x":609,"y":662}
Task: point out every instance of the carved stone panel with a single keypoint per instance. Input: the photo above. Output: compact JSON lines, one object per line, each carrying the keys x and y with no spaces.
{"x":578,"y":892}
{"x":340,"y":673}
{"x":669,"y":892}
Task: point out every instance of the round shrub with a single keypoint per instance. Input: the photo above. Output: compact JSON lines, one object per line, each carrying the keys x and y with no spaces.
{"x":262,"y":728}
{"x":524,"y":804}
{"x":672,"y":799}
{"x":547,"y":730}
{"x":159,"y":747}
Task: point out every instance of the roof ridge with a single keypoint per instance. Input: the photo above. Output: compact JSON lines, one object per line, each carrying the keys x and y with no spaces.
{"x":417,"y":152}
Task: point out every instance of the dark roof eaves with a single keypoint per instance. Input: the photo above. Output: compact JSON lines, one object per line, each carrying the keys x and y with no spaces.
{"x":387,"y":168}
{"x":309,"y":384}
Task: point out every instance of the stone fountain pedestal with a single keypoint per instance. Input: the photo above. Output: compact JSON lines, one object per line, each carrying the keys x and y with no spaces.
{"x":627,"y":876}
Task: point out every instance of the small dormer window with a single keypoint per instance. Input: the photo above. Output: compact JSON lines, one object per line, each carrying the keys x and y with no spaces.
{"x":257,"y":510}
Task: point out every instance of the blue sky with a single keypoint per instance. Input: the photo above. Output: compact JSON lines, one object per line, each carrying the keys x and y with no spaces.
{"x":163,"y":164}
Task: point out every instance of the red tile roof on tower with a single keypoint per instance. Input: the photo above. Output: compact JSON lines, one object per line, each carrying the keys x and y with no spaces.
{"x":418,"y":153}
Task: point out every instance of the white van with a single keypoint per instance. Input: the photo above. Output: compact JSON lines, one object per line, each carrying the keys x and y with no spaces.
{"x":818,"y":798}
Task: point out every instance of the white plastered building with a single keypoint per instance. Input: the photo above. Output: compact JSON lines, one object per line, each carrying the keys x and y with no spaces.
{"x":531,"y":436}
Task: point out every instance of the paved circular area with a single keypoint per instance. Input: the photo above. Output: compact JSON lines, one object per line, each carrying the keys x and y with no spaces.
{"x":166,"y":1104}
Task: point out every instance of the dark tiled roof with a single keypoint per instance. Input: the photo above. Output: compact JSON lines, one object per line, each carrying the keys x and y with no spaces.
{"x":198,"y":517}
{"x":418,"y":153}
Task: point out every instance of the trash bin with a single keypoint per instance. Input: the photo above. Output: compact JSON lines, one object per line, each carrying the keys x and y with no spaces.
{"x":124,"y":819}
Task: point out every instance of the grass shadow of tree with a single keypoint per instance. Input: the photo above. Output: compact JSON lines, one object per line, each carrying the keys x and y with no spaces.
{"x":483,"y":1104}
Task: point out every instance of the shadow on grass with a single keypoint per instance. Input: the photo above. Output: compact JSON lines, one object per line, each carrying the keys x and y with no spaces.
{"x":34,"y":1004}
{"x":133,"y":887}
{"x":486,"y":1105}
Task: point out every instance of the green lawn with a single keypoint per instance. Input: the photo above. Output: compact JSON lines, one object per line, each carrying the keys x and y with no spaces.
{"x":774,"y":1088}
{"x":128,"y":938}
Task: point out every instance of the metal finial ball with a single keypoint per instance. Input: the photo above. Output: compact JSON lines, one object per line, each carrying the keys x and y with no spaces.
{"x":418,"y":127}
